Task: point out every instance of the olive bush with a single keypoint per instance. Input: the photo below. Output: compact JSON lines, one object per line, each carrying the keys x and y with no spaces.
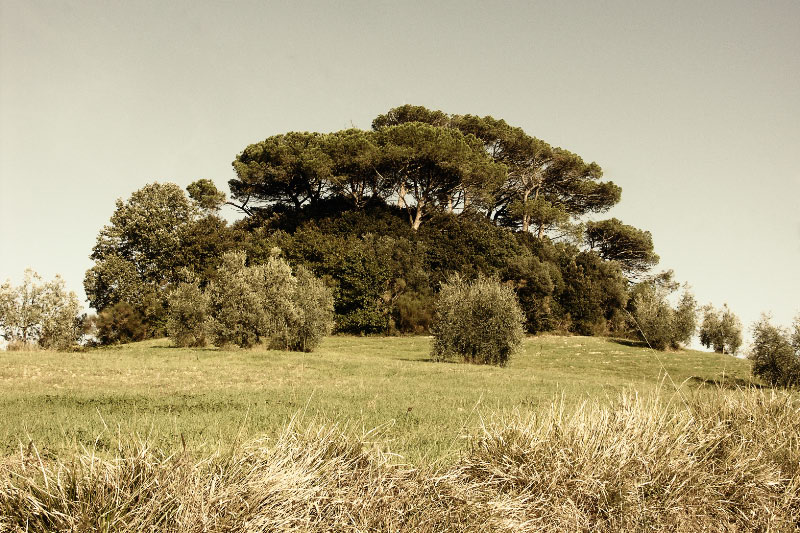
{"x":267,"y":304}
{"x":658,"y":323}
{"x":480,"y":321}
{"x":187,"y":316}
{"x":776,"y":353}
{"x":721,"y":330}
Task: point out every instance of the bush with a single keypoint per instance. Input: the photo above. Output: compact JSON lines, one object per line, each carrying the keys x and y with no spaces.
{"x":188,"y":312}
{"x":657,"y":323}
{"x":119,"y":324}
{"x":314,"y":304}
{"x":480,"y":321}
{"x":776,"y":353}
{"x":266,"y":303}
{"x":721,"y":329}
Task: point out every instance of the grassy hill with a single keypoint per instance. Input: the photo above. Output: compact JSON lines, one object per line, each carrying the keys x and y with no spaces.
{"x":209,"y":398}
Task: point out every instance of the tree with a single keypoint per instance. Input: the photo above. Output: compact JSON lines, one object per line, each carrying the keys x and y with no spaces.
{"x":266,"y":303}
{"x":152,"y":237}
{"x":354,"y":156}
{"x":631,"y":247}
{"x":206,"y":195}
{"x":39,"y":312}
{"x":775,"y":354}
{"x":291,"y":168}
{"x":659,"y":324}
{"x":721,"y":330}
{"x":543,"y":186}
{"x":188,"y":313}
{"x":119,"y":324}
{"x":432,"y":165}
{"x":479,"y":321}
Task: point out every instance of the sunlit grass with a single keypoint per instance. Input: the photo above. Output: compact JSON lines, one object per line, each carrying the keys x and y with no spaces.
{"x":209,"y":398}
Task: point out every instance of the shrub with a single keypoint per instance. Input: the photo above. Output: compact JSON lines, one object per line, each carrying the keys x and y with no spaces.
{"x":776,"y":354}
{"x":266,"y":303}
{"x":480,"y":321}
{"x":657,"y":323}
{"x":188,"y":312}
{"x":721,"y":329}
{"x":313,"y":302}
{"x":120,"y":323}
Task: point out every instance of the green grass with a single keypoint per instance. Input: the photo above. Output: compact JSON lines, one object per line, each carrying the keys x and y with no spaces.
{"x":210,"y":398}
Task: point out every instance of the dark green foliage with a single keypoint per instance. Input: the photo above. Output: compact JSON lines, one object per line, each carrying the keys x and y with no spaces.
{"x":532,"y":281}
{"x":152,"y":237}
{"x":119,"y":324}
{"x":721,"y":330}
{"x":776,"y":353}
{"x":632,"y":248}
{"x":593,"y":290}
{"x":478,"y":321}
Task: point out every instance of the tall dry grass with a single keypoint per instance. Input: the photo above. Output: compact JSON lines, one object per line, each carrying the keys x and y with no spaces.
{"x":729,"y":462}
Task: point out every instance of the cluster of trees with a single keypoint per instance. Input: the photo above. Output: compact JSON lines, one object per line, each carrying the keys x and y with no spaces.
{"x":40,"y":313}
{"x":249,"y":305}
{"x":384,"y":217}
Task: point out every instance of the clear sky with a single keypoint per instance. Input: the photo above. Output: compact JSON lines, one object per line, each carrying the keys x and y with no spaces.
{"x":693,"y":108}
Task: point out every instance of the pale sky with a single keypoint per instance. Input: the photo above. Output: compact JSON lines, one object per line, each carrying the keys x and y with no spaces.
{"x":693,"y":108}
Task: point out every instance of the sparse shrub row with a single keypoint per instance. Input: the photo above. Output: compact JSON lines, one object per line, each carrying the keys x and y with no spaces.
{"x":719,"y":464}
{"x":249,"y":305}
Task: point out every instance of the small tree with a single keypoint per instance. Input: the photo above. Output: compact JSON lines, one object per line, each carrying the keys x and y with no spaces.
{"x":776,"y":353}
{"x":721,"y":329}
{"x":266,"y":303}
{"x":188,"y":312}
{"x":119,"y":324}
{"x":657,"y":323}
{"x":314,"y":304}
{"x":41,"y":313}
{"x":481,"y":321}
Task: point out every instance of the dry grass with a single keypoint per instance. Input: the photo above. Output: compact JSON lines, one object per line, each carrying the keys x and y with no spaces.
{"x":731,"y":463}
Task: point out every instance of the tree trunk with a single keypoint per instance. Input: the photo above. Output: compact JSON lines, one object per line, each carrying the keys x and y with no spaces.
{"x":417,"y":218}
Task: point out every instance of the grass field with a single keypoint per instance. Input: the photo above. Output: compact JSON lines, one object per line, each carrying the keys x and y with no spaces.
{"x":367,"y":434}
{"x":209,"y":398}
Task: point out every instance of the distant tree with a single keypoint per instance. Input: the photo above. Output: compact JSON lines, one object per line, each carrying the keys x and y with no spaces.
{"x":631,"y":247}
{"x":410,"y":113}
{"x":40,"y":313}
{"x":720,"y":329}
{"x":776,"y":354}
{"x":152,"y":237}
{"x":478,"y":321}
{"x":119,"y":324}
{"x":543,"y":187}
{"x":354,"y":156}
{"x":291,"y":168}
{"x":206,"y":195}
{"x":658,"y":323}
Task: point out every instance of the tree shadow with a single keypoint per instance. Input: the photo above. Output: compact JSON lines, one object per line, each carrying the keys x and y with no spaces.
{"x":629,"y":343}
{"x":730,"y":383}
